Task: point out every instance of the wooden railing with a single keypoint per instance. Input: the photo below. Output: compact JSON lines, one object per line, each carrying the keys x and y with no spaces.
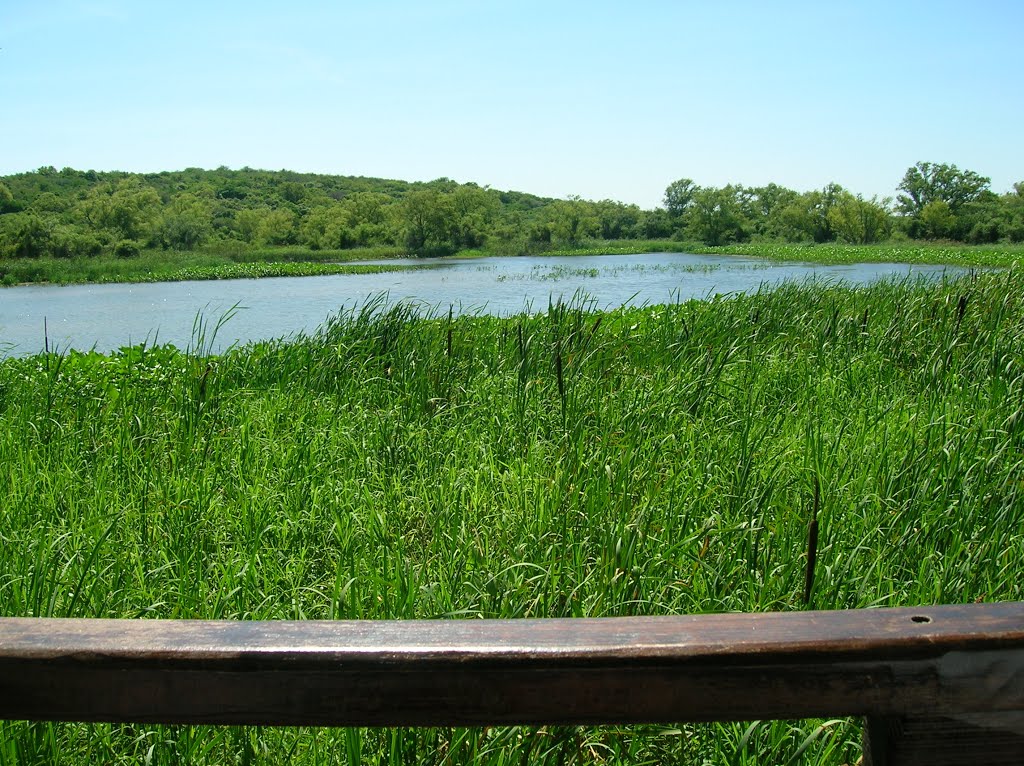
{"x":936,"y":685}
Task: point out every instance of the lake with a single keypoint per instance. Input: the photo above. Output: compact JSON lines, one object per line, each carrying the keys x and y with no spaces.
{"x":107,"y":317}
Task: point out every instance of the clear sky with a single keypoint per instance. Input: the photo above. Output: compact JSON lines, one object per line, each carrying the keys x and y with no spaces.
{"x":600,"y":99}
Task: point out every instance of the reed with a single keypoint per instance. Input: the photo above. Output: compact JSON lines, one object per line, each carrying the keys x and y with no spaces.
{"x":653,"y":460}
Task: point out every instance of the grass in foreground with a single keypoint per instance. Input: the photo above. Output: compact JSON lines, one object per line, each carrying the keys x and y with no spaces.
{"x":639,"y":461}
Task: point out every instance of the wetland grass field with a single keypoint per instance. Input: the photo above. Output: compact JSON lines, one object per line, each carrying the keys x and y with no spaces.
{"x":658,"y":460}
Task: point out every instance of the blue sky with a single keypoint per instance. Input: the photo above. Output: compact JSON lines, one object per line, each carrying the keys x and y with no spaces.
{"x":597,"y":99}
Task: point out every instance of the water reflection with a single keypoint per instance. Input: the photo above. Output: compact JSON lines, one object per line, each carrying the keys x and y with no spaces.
{"x":107,"y":317}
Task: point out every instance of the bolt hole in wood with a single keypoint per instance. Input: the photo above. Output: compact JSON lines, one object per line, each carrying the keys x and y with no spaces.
{"x":920,"y":618}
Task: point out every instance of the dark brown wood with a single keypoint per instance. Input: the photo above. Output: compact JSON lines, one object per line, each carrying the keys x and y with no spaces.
{"x":992,"y":739}
{"x":929,"y":662}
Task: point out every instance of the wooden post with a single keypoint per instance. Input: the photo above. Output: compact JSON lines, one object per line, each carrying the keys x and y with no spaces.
{"x":992,"y":739}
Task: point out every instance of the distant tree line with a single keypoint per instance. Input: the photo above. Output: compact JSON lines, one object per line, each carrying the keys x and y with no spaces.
{"x":934,"y":201}
{"x":71,"y":213}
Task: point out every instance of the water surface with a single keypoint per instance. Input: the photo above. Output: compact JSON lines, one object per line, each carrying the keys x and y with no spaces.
{"x":107,"y":317}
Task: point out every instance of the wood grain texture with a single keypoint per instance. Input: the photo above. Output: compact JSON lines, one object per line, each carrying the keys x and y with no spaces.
{"x":992,"y":739}
{"x":929,"y":661}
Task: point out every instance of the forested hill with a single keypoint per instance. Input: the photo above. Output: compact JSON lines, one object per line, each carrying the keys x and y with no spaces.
{"x":71,"y":213}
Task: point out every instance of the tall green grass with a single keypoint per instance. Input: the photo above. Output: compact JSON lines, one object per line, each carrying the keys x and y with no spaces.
{"x":657,"y":460}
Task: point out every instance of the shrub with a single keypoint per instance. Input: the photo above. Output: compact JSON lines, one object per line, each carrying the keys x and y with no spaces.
{"x":127,"y":248}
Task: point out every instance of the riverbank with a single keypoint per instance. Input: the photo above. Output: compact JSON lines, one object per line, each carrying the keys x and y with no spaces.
{"x":175,"y":266}
{"x":241,"y":263}
{"x":656,"y":460}
{"x":951,"y":254}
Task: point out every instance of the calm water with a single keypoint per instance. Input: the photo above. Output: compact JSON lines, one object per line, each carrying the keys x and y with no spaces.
{"x":107,"y":317}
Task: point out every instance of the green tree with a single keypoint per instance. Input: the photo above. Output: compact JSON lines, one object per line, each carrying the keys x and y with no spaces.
{"x":128,"y":209}
{"x":926,"y":182}
{"x":247,"y":224}
{"x":679,"y":195}
{"x":359,"y":220}
{"x":857,"y":220}
{"x":314,"y":228}
{"x":985,"y":220}
{"x":475,"y":211}
{"x":572,"y":220}
{"x":48,"y":202}
{"x":277,"y":227}
{"x":185,"y":223}
{"x":127,"y":248}
{"x":616,"y":220}
{"x":806,"y":219}
{"x":538,"y":235}
{"x":7,"y":203}
{"x":766,"y":206}
{"x":654,"y":224}
{"x":68,"y":242}
{"x":428,"y":221}
{"x":716,"y":216}
{"x":375,"y":218}
{"x":293,"y":192}
{"x":33,"y":238}
{"x":1014,"y":205}
{"x":368,"y":208}
{"x":937,"y":220}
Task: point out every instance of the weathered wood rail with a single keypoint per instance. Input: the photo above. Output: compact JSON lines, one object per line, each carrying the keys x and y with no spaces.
{"x":936,"y":685}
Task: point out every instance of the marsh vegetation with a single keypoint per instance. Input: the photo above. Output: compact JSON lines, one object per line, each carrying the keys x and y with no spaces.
{"x":652,"y":460}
